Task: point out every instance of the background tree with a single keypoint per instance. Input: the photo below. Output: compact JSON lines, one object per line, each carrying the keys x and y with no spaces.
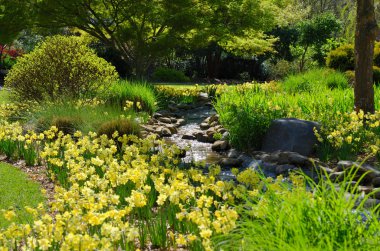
{"x":365,"y":35}
{"x":314,"y":33}
{"x":239,"y":27}
{"x":141,"y":31}
{"x":15,"y":16}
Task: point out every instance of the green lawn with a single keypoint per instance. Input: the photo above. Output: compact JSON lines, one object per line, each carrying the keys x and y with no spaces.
{"x":17,"y":191}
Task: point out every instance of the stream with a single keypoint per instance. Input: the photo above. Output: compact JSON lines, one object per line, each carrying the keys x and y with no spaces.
{"x":197,"y":151}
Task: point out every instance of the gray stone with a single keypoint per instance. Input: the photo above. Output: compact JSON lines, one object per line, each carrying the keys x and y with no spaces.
{"x":201,"y":137}
{"x":180,"y":122}
{"x":214,"y":123}
{"x":229,"y":162}
{"x":359,"y":170}
{"x":291,"y":135}
{"x":220,"y":145}
{"x":157,"y":115}
{"x":165,"y":120}
{"x":210,"y":131}
{"x":284,"y":169}
{"x":165,"y":132}
{"x":172,"y":128}
{"x":222,"y":130}
{"x":376,"y":182}
{"x":225,"y":135}
{"x":272,"y":158}
{"x":371,"y":203}
{"x":214,"y":118}
{"x":148,"y":128}
{"x":204,"y":126}
{"x":337,"y":176}
{"x":188,"y":136}
{"x":233,"y":153}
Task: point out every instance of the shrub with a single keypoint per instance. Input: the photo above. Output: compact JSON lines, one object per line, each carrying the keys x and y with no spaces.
{"x":136,"y":92}
{"x":60,"y":67}
{"x":247,"y":113}
{"x":342,"y":58}
{"x":68,"y":125}
{"x":376,"y":57}
{"x":376,"y":75}
{"x":122,"y":126}
{"x":351,"y":77}
{"x":315,"y":80}
{"x":281,"y":69}
{"x":169,"y":75}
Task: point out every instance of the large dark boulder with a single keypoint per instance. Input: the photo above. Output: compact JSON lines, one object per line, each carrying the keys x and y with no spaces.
{"x":291,"y":135}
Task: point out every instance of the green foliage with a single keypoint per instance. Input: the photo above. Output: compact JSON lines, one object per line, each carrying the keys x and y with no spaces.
{"x":14,"y":17}
{"x":137,"y":92}
{"x":315,"y":80}
{"x":315,"y":33}
{"x":376,"y":56}
{"x":169,"y":75}
{"x":247,"y":111}
{"x":247,"y":116}
{"x":17,"y":191}
{"x":122,"y":126}
{"x":61,"y":67}
{"x":342,"y":58}
{"x":85,"y":116}
{"x":68,"y":125}
{"x":153,"y":28}
{"x":281,"y":69}
{"x":289,"y":217}
{"x":376,"y":75}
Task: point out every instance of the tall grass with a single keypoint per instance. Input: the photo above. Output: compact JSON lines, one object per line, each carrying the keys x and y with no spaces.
{"x":315,"y":80}
{"x":137,"y":92}
{"x":68,"y":116}
{"x":290,"y":217}
{"x":247,"y":113}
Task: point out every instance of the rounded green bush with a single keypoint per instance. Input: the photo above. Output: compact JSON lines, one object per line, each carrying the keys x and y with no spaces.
{"x":170,"y":75}
{"x":66,"y":124}
{"x":342,"y":58}
{"x":122,"y":126}
{"x":61,"y":67}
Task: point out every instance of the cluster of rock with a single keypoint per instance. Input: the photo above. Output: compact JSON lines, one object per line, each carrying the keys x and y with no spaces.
{"x":163,"y":125}
{"x":207,"y":133}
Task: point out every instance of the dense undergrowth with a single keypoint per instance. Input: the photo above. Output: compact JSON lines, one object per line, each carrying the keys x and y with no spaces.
{"x":247,"y":111}
{"x":123,"y":193}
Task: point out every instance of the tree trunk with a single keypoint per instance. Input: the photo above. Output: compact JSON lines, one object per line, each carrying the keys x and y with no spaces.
{"x":213,"y":63}
{"x":366,"y":28}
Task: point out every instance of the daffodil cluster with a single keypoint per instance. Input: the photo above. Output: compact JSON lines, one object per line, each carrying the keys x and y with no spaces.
{"x":110,"y":198}
{"x":353,"y":133}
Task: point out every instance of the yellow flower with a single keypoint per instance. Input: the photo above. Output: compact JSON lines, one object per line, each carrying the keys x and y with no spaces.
{"x":9,"y":215}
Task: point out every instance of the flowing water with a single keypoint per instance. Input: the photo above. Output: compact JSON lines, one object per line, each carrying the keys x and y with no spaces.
{"x":197,"y":151}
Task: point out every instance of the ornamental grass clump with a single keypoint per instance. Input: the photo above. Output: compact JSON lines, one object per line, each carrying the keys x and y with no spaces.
{"x":299,"y":214}
{"x":59,"y":68}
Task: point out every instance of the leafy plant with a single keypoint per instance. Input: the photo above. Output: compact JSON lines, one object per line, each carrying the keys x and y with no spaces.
{"x":61,"y":67}
{"x":169,"y":75}
{"x":342,"y":58}
{"x":314,"y":81}
{"x":136,"y":92}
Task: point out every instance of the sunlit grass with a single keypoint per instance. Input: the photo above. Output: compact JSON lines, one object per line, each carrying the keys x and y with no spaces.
{"x":17,"y":191}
